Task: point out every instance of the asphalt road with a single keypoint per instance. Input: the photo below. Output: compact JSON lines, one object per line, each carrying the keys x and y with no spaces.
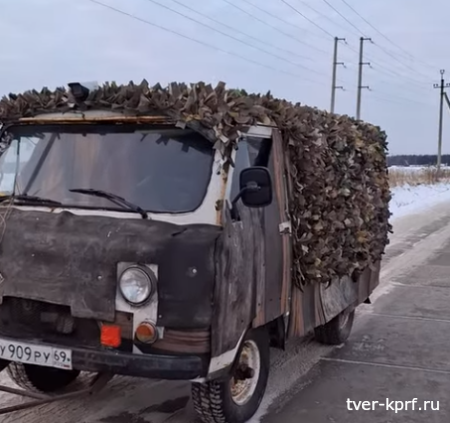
{"x":398,"y":349}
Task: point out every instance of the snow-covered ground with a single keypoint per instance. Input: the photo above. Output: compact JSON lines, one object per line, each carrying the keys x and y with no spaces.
{"x":416,"y":168}
{"x":415,"y":199}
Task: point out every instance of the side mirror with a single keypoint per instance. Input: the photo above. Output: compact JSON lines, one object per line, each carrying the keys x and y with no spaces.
{"x":255,"y":186}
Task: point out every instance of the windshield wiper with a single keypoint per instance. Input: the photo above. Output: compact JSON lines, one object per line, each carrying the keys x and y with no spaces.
{"x":113,"y":198}
{"x":30,"y":199}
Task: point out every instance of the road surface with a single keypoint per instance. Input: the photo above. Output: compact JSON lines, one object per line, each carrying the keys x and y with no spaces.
{"x":398,"y":349}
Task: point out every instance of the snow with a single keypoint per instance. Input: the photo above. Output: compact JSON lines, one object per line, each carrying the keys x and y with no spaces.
{"x":416,"y":168}
{"x":408,"y":199}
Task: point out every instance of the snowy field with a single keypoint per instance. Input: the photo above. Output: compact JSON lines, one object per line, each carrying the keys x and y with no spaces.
{"x":416,"y":168}
{"x":415,"y":199}
{"x":412,"y":191}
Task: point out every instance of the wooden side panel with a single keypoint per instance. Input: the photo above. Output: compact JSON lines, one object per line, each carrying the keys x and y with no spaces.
{"x":282,"y":188}
{"x":305,"y":310}
{"x":344,"y":292}
{"x":274,"y":250}
{"x":272,"y":299}
{"x":369,"y":282}
{"x":337,"y":296}
{"x":317,"y":304}
{"x":363,"y":285}
{"x":375,"y":277}
{"x":296,"y":326}
{"x":260,"y":283}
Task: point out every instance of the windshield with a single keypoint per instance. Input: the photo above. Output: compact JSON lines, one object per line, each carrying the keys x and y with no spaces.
{"x":159,"y":170}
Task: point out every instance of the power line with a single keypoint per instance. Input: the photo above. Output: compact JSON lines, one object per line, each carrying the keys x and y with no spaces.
{"x":387,"y":69}
{"x":396,"y":79}
{"x":323,"y":15}
{"x":384,"y":50}
{"x":203,"y":43}
{"x":409,"y":100}
{"x":343,"y":17}
{"x":383,"y":35}
{"x":394,"y":74}
{"x":340,"y":26}
{"x":326,"y":37}
{"x":321,"y":28}
{"x":373,"y":96}
{"x":398,"y":60}
{"x":242,"y":32}
{"x":232,"y":37}
{"x":397,"y":82}
{"x":305,"y":17}
{"x":287,"y":22}
{"x":391,"y":98}
{"x":270,"y":25}
{"x":215,"y":48}
{"x":401,"y":83}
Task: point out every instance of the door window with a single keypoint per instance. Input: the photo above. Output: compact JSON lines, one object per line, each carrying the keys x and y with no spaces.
{"x":252,"y":151}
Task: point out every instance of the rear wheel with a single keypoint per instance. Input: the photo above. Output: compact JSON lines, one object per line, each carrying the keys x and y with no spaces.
{"x":336,"y":331}
{"x":41,"y":379}
{"x":236,"y":398}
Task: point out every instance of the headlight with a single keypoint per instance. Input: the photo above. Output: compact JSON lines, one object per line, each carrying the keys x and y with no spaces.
{"x":136,"y":285}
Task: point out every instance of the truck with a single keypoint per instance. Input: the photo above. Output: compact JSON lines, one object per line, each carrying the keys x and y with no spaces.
{"x":155,"y":239}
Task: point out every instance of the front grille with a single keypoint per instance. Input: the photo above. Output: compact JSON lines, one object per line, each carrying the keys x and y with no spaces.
{"x":35,"y":320}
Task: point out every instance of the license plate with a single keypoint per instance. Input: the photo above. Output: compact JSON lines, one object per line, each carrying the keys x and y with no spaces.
{"x":35,"y":354}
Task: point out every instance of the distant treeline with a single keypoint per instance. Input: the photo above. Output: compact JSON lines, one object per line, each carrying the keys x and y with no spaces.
{"x":416,"y":160}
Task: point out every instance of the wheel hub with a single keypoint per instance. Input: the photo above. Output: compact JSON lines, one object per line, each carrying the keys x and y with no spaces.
{"x":246,"y":374}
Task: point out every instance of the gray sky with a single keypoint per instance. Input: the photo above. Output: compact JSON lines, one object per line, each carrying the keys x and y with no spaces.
{"x":53,"y":42}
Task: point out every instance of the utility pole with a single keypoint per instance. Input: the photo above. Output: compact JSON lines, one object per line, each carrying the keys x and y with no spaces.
{"x":333,"y":78}
{"x":442,"y":95}
{"x":360,"y":86}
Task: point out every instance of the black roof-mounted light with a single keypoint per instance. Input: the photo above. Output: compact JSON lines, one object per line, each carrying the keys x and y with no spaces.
{"x":81,"y":91}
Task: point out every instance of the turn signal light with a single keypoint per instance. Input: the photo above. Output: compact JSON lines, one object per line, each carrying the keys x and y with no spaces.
{"x":110,"y":336}
{"x":146,"y":333}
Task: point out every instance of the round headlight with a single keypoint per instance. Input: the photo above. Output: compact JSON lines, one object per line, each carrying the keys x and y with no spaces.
{"x":135,"y":285}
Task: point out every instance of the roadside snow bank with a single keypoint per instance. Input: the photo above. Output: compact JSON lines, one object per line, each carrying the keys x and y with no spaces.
{"x":409,"y":199}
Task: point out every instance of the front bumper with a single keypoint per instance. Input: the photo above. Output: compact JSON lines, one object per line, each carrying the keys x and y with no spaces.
{"x":141,"y":365}
{"x":152,"y":366}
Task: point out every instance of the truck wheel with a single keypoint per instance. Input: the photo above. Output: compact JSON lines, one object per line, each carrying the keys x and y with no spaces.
{"x":336,"y":331}
{"x":40,"y":379}
{"x":237,"y":398}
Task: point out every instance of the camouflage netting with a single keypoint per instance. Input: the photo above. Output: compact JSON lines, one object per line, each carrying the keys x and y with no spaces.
{"x":338,"y":165}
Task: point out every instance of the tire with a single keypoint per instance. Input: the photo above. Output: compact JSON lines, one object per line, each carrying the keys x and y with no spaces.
{"x":336,"y":331}
{"x":40,"y":379}
{"x":214,"y":402}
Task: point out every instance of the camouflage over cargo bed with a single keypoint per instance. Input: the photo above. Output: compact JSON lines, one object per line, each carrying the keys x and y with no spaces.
{"x":338,"y":166}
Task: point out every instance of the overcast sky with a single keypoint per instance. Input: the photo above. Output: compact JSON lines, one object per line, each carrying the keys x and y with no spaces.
{"x":53,"y":42}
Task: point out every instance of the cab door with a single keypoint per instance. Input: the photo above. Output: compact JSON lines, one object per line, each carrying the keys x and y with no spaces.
{"x":273,"y":292}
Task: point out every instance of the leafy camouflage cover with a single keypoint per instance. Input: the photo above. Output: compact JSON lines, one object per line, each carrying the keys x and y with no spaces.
{"x":340,"y":196}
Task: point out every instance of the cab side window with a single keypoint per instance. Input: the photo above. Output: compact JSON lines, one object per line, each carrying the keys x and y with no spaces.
{"x":260,"y":149}
{"x":252,"y":151}
{"x":242,"y":161}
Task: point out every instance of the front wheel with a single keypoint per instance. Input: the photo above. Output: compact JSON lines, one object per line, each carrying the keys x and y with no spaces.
{"x":40,"y":379}
{"x":337,"y":330}
{"x":237,"y":398}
